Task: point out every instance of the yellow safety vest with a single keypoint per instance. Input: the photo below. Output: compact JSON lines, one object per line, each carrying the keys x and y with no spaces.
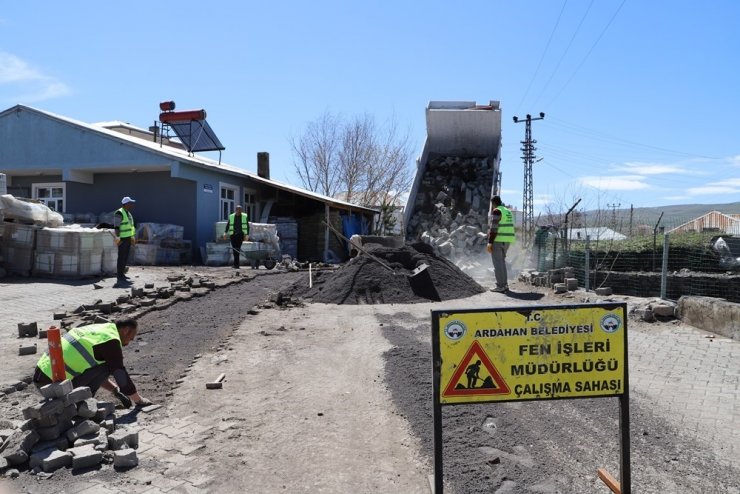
{"x":505,"y":232}
{"x":77,"y":348}
{"x":245,"y":223}
{"x":126,"y":229}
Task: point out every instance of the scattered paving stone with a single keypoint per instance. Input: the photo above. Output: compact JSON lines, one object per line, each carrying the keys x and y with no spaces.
{"x":27,"y":349}
{"x":58,"y":316}
{"x":43,"y":332}
{"x":46,"y":408}
{"x":122,"y":438}
{"x":26,"y":330}
{"x":17,"y":446}
{"x":151,"y":408}
{"x":53,"y":432}
{"x":85,"y":456}
{"x":82,"y":429}
{"x":125,"y":458}
{"x":87,"y":408}
{"x":604,"y":291}
{"x":77,"y":395}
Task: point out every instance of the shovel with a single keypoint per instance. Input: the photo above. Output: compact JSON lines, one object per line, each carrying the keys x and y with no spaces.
{"x":418,"y":270}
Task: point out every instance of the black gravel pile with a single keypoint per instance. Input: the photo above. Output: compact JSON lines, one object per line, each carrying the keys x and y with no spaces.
{"x":364,"y":281}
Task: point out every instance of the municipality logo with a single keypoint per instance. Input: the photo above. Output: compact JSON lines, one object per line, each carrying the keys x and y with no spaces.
{"x":455,"y":330}
{"x":611,"y":323}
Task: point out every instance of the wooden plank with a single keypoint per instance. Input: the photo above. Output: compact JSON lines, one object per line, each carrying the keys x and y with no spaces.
{"x":610,"y":481}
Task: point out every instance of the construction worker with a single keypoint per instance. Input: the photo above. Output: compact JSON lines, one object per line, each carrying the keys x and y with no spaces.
{"x":237,"y":228}
{"x":501,"y":235}
{"x":123,"y":222}
{"x":92,"y":354}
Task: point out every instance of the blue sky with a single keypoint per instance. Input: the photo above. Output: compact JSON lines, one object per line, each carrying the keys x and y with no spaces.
{"x":641,"y":98}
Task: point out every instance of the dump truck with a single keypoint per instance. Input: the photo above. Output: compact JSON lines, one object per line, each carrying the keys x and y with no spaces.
{"x":456,"y":175}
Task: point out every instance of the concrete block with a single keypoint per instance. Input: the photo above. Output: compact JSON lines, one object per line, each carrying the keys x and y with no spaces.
{"x":87,"y":408}
{"x":43,"y":333}
{"x":109,"y":425}
{"x":95,"y":439}
{"x":105,"y":408}
{"x":81,"y":429}
{"x":69,"y":412}
{"x":85,"y":456}
{"x":49,"y":407}
{"x":56,"y":390}
{"x":56,"y":460}
{"x":53,"y":432}
{"x":29,"y":349}
{"x":47,"y":420}
{"x":58,"y":443}
{"x":571,"y":284}
{"x":58,"y":316}
{"x":664,"y":310}
{"x":125,"y":458}
{"x":27,"y":330}
{"x":560,"y":287}
{"x":77,"y":395}
{"x":122,"y":438}
{"x":17,"y":446}
{"x":603,"y":291}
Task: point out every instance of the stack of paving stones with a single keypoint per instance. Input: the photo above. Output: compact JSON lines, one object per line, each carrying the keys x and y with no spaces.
{"x":67,"y":429}
{"x":451,"y":207}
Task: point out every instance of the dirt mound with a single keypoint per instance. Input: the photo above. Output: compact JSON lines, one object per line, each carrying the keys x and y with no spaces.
{"x":364,"y":281}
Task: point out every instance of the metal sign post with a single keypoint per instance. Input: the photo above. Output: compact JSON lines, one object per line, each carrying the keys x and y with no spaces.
{"x":530,"y":353}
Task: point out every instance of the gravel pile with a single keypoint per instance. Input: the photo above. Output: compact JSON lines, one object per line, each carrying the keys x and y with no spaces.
{"x":364,"y":281}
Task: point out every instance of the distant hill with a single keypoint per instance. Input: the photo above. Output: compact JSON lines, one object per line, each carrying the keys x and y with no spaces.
{"x":673,"y":215}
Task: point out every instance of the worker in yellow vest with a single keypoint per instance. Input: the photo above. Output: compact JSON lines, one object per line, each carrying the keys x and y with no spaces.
{"x":92,"y":355}
{"x":237,"y":228}
{"x":501,"y":235}
{"x":123,"y":222}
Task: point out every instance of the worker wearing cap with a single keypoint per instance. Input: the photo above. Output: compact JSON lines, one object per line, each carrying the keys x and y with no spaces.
{"x":501,"y":235}
{"x":93,"y":354}
{"x":237,"y":228}
{"x":123,"y":222}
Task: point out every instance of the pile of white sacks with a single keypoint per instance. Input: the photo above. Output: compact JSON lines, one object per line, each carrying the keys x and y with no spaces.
{"x":451,"y":206}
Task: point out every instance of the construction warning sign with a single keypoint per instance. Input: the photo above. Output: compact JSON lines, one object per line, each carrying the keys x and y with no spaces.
{"x":530,"y":353}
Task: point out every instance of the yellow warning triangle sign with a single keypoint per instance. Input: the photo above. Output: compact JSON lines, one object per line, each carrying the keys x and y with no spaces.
{"x":476,"y":375}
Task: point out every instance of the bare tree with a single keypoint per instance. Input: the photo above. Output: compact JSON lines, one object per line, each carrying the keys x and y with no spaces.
{"x":316,"y":152}
{"x":367,"y":163}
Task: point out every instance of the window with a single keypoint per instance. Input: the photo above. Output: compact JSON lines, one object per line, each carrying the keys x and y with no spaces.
{"x":228,"y":200}
{"x":53,"y":195}
{"x":249,"y":205}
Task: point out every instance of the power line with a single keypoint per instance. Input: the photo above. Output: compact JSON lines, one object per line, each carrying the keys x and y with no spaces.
{"x":539,"y":64}
{"x":588,"y":53}
{"x":567,"y":48}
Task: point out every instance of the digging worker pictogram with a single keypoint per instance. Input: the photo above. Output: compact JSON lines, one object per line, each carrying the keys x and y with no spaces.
{"x":123,"y":222}
{"x":92,"y":354}
{"x":501,"y":235}
{"x":237,"y":228}
{"x":472,"y":373}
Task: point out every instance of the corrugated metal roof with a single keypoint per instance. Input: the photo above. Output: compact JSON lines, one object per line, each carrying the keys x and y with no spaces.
{"x":184,"y":156}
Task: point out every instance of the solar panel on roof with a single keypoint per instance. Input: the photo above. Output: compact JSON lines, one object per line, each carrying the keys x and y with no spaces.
{"x":196,"y":135}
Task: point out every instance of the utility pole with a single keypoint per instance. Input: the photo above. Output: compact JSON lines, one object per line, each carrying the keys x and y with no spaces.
{"x":632,"y":212}
{"x":528,"y":157}
{"x":614,"y":214}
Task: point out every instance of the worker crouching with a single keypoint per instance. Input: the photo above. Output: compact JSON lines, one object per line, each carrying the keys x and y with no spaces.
{"x":92,"y":355}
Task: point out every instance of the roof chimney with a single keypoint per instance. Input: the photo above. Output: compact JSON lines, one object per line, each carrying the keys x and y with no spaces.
{"x":263,"y":165}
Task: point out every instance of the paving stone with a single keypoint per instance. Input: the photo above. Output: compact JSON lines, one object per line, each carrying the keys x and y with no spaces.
{"x":56,"y":390}
{"x":604,"y":291}
{"x":122,"y":438}
{"x":82,"y":429}
{"x":53,"y":432}
{"x":58,"y":443}
{"x":49,"y":407}
{"x":17,"y":446}
{"x":69,"y":412}
{"x":44,"y":332}
{"x":151,"y":408}
{"x":78,"y":394}
{"x":26,"y":330}
{"x":56,"y":460}
{"x":85,"y":456}
{"x":47,"y":420}
{"x":34,"y":458}
{"x":87,"y":408}
{"x":109,"y":425}
{"x":125,"y":458}
{"x":101,"y":437}
{"x":105,"y":408}
{"x":29,"y":349}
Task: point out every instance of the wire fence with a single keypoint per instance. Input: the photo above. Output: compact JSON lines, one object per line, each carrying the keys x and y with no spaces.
{"x":678,"y":259}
